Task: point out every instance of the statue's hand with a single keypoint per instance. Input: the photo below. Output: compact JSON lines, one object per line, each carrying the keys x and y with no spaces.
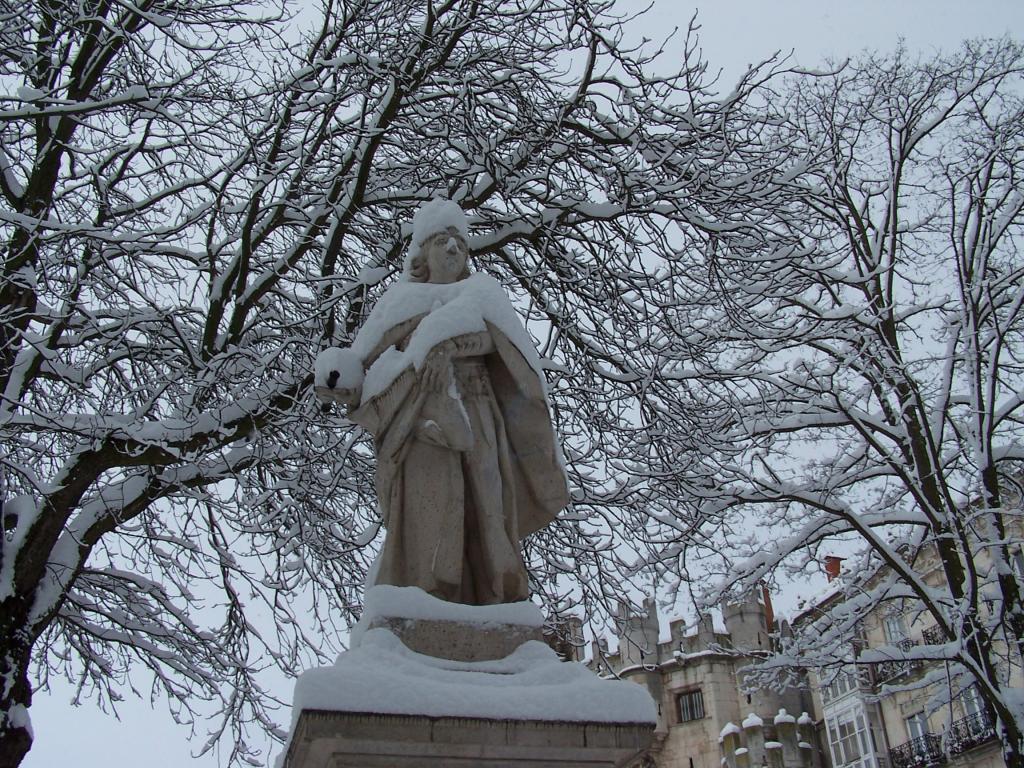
{"x":349,"y":397}
{"x":437,"y":369}
{"x":431,"y":432}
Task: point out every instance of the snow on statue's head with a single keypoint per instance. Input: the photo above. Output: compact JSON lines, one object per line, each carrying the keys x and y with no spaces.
{"x":435,"y":216}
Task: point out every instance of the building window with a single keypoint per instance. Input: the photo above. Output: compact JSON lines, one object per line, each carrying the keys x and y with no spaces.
{"x":895,"y":628}
{"x":691,"y":705}
{"x":850,"y":740}
{"x":1017,"y":563}
{"x":917,"y":725}
{"x":844,"y":682}
{"x":972,"y":703}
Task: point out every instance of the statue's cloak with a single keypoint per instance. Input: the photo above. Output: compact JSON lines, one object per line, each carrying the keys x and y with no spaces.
{"x":536,"y":471}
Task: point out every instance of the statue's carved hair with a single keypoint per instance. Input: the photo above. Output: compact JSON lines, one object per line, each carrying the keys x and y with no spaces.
{"x":419,"y":270}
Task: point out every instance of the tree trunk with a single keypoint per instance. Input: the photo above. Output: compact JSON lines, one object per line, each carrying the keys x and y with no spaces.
{"x":1013,"y":743}
{"x":15,"y":742}
{"x":979,"y":649}
{"x":15,"y":693}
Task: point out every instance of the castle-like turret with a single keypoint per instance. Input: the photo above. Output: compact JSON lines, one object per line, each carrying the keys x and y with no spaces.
{"x":750,"y":624}
{"x":638,"y":634}
{"x":697,"y":678}
{"x":784,"y":742}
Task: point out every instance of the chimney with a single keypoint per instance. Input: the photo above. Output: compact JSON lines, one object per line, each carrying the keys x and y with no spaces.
{"x":769,"y":612}
{"x":833,"y":565}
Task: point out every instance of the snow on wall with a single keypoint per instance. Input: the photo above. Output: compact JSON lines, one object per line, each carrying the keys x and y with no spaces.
{"x":727,"y":730}
{"x":784,"y":717}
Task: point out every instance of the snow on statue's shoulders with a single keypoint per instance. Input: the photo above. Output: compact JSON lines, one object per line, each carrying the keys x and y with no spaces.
{"x":405,"y":300}
{"x":496,"y":309}
{"x":401,"y":302}
{"x":448,"y":310}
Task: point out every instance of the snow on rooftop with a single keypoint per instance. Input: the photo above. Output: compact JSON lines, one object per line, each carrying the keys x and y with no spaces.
{"x":813,"y":598}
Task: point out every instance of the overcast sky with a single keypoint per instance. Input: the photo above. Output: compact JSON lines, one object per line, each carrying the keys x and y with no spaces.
{"x":734,"y":33}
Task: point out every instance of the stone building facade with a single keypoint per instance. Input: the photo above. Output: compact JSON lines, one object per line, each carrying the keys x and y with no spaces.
{"x":881,"y":715}
{"x":705,"y":717}
{"x":870,"y":715}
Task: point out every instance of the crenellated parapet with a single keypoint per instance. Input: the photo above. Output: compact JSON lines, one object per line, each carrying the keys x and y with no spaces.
{"x":783,"y":743}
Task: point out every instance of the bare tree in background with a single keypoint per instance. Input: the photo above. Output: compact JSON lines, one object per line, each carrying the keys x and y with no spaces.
{"x":194,"y":203}
{"x":873,"y":362}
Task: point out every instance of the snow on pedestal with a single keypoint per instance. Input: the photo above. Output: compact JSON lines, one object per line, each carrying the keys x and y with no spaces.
{"x":384,"y":676}
{"x":380,"y":674}
{"x":380,"y":679}
{"x":451,"y":631}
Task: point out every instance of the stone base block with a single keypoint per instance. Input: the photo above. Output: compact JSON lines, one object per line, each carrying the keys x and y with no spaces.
{"x":324,"y":739}
{"x":458,"y":640}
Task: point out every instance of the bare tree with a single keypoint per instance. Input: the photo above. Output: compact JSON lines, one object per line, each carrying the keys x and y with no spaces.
{"x":870,"y":375}
{"x":195,"y":202}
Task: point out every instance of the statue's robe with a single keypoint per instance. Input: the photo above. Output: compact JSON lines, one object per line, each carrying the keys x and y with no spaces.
{"x":454,"y":517}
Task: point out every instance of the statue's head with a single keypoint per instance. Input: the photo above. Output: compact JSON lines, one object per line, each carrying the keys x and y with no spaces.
{"x":439,"y":251}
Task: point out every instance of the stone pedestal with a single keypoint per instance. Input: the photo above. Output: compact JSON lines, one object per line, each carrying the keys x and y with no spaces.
{"x":458,"y":640}
{"x":355,"y":740}
{"x":429,"y":683}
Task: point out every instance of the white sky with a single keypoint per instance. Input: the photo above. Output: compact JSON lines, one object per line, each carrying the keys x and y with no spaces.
{"x":734,"y":33}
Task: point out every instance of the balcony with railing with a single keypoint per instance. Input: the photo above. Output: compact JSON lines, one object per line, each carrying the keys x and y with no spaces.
{"x":933,"y":636}
{"x":970,"y":732}
{"x":923,"y":752}
{"x":890,"y":670}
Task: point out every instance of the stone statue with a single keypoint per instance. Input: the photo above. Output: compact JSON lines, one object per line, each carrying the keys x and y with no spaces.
{"x":447,"y":380}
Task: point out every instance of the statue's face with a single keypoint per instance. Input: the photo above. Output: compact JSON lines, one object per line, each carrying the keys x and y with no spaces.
{"x":446,"y":253}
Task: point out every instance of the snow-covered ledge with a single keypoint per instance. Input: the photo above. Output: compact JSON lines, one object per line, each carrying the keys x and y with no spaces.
{"x":413,"y":603}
